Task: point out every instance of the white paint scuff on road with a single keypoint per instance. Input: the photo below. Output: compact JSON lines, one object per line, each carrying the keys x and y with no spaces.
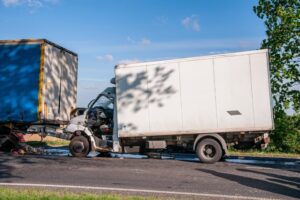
{"x":131,"y":190}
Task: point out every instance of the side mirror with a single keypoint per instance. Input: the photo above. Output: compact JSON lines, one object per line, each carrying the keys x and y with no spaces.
{"x":113,"y":81}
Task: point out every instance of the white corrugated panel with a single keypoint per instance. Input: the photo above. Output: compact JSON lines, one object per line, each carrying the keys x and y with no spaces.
{"x":60,"y":84}
{"x":164,"y":97}
{"x":233,"y":92}
{"x":261,"y":91}
{"x":198,"y":95}
{"x":132,"y":100}
{"x":51,"y":89}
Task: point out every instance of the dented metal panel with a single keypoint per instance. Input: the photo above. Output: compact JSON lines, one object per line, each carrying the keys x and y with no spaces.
{"x":210,"y":94}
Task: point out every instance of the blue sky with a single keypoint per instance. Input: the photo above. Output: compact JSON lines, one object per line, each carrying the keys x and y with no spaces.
{"x":107,"y":32}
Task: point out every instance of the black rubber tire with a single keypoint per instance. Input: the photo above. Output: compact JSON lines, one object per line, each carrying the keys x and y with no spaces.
{"x":79,"y":146}
{"x":209,"y":151}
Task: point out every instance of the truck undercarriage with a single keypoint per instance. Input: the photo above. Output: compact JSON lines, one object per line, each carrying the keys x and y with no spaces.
{"x":94,"y":131}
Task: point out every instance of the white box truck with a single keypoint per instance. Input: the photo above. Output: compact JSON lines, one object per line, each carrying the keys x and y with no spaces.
{"x":201,"y":103}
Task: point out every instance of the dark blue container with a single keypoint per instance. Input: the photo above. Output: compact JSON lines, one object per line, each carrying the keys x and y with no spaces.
{"x":19,"y":81}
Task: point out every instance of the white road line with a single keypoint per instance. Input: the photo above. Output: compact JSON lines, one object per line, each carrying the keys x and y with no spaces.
{"x":132,"y":190}
{"x":266,"y":168}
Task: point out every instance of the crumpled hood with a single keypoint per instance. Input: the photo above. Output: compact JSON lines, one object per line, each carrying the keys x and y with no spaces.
{"x":79,"y":120}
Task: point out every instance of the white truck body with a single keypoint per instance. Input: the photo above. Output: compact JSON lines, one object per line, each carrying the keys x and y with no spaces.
{"x":207,"y":94}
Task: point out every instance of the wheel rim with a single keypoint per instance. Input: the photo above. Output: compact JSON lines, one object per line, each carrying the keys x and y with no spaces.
{"x":78,"y":147}
{"x":209,"y":151}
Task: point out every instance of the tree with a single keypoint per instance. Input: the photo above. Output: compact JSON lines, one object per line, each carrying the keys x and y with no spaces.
{"x":286,"y":136}
{"x":282,"y":20}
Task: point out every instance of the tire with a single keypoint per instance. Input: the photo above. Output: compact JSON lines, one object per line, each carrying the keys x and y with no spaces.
{"x":209,"y":151}
{"x":79,"y":146}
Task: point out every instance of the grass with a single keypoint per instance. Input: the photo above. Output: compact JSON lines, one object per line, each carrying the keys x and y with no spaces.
{"x":35,"y":141}
{"x":58,"y":143}
{"x":261,"y":153}
{"x":42,"y":194}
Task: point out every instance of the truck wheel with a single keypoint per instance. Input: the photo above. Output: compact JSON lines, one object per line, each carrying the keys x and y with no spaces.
{"x":79,"y":146}
{"x":209,"y":151}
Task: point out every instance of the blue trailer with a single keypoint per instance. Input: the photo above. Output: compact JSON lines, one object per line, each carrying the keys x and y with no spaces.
{"x":38,"y":82}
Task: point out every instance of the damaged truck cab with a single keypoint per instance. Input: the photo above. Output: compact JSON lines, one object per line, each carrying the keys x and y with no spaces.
{"x":93,"y":130}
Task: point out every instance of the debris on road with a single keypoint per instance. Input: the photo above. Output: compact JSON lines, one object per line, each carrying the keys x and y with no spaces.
{"x":13,"y":141}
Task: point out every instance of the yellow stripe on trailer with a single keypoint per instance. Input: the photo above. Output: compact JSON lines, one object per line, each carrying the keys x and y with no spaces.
{"x":41,"y":81}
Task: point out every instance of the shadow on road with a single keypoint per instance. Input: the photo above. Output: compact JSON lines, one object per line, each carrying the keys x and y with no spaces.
{"x":289,"y":180}
{"x":256,"y":183}
{"x":287,"y":164}
{"x":6,"y":170}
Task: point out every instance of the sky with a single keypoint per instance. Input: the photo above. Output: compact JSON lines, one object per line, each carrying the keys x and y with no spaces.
{"x":105,"y":33}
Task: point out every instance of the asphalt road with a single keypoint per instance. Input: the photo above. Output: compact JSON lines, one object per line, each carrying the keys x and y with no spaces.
{"x":179,"y":179}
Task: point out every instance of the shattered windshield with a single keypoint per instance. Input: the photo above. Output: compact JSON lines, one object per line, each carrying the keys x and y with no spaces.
{"x":104,"y":102}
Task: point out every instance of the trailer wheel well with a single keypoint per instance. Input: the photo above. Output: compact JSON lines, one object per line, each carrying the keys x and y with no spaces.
{"x":215,"y":137}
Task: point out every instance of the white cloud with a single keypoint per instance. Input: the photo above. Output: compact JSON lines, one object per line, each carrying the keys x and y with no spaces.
{"x":128,"y":61}
{"x":8,"y":3}
{"x":29,"y":3}
{"x":107,"y":57}
{"x":145,"y":41}
{"x":191,"y":22}
{"x":130,"y":40}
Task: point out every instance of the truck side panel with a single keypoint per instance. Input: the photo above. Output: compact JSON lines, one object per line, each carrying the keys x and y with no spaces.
{"x":133,"y":98}
{"x":164,"y":95}
{"x":234,"y":92}
{"x":19,"y":81}
{"x":60,"y":84}
{"x":262,"y":104}
{"x":212,"y":94}
{"x":198,"y":107}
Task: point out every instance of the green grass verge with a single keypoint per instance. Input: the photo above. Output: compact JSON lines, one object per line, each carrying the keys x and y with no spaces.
{"x":58,"y":143}
{"x":41,"y":194}
{"x":258,"y":153}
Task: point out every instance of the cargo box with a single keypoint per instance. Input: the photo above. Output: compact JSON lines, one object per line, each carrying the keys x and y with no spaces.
{"x":209,"y":94}
{"x":38,"y":81}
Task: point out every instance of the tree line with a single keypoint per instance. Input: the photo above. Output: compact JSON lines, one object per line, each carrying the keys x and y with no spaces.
{"x":282,"y":22}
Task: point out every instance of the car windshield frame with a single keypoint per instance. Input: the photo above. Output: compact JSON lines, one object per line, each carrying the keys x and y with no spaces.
{"x":105,"y":105}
